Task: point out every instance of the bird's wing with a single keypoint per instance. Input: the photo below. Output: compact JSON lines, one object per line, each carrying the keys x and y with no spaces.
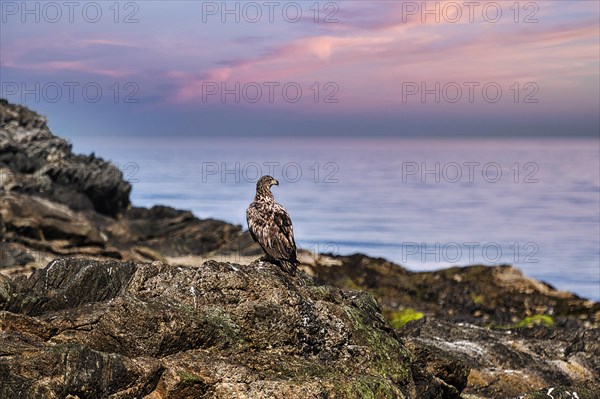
{"x":255,"y":223}
{"x":283,"y":233}
{"x":272,"y":228}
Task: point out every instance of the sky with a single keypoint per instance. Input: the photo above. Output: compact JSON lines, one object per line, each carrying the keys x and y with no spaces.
{"x":330,"y":68}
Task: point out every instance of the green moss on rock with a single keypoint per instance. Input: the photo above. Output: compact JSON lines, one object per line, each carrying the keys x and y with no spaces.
{"x":400,"y":318}
{"x":221,"y":327}
{"x":477,"y":299}
{"x":529,"y":321}
{"x":537,"y":319}
{"x":391,"y":359}
{"x":188,"y":377}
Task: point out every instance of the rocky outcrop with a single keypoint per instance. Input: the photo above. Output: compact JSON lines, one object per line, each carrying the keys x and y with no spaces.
{"x":111,"y":329}
{"x":56,"y":203}
{"x":514,"y":334}
{"x":36,"y":161}
{"x":173,"y":232}
{"x":488,"y":296}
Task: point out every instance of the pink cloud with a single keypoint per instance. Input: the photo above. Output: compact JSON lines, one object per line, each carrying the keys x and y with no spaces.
{"x":367,"y":56}
{"x":369,"y":63}
{"x":289,"y":61}
{"x":65,"y":54}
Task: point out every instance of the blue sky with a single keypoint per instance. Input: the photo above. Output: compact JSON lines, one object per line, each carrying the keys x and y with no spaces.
{"x":344,"y":68}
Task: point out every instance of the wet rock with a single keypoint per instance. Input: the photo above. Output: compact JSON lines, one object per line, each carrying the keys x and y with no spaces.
{"x":507,"y":363}
{"x":69,"y":283}
{"x":31,"y":368}
{"x":434,"y":365}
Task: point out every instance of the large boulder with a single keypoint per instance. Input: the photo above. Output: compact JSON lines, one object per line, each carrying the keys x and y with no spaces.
{"x":113,"y":329}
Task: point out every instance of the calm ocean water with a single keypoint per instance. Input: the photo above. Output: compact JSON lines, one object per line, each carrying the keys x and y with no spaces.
{"x":425,"y":204}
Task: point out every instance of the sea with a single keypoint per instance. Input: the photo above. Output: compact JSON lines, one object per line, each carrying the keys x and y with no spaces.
{"x":425,"y":204}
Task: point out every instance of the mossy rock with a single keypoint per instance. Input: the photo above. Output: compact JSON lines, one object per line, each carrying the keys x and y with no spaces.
{"x":536,"y":319}
{"x":400,"y":318}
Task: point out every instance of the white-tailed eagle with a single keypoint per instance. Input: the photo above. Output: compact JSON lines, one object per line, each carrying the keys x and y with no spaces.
{"x":271,"y":226}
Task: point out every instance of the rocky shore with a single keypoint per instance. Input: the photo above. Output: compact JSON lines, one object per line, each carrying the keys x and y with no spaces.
{"x":101,"y":299}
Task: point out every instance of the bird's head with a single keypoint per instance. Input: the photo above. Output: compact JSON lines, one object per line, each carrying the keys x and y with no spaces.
{"x":263,"y":186}
{"x":267,"y":182}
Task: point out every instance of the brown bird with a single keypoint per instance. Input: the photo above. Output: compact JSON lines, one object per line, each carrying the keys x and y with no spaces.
{"x":271,"y":226}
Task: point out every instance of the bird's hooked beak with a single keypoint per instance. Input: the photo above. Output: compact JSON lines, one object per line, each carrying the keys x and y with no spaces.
{"x":274,"y":182}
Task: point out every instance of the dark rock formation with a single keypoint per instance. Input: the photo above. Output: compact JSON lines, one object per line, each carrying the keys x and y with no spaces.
{"x":40,"y":219}
{"x":96,"y":329}
{"x":43,"y":164}
{"x":481,"y":295}
{"x":506,"y":359}
{"x":56,"y":203}
{"x":174,"y":232}
{"x":14,"y":255}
